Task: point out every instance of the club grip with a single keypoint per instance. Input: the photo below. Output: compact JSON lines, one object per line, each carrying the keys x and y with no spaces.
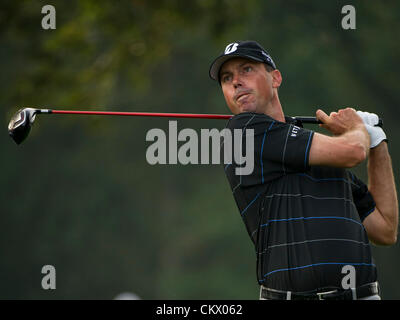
{"x":315,"y":121}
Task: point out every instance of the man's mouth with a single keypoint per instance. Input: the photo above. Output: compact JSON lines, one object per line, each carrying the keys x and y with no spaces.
{"x":241,"y":96}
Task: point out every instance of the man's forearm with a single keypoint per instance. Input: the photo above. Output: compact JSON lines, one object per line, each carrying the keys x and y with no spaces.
{"x":360,"y":136}
{"x":381,"y":184}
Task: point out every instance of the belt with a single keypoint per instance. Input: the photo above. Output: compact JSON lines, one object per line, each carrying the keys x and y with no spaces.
{"x":363,"y":291}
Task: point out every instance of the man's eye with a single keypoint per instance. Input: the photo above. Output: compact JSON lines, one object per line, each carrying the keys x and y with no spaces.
{"x":226,"y":78}
{"x":248,"y":69}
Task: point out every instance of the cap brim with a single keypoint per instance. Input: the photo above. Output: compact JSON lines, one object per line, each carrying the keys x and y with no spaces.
{"x":219,"y":61}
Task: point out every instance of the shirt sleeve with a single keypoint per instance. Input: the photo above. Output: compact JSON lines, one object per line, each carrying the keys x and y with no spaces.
{"x":362,"y":198}
{"x":279,"y":148}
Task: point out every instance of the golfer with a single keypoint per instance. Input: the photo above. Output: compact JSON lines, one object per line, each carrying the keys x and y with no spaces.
{"x":310,"y":218}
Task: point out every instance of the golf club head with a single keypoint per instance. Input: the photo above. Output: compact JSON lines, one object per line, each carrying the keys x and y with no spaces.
{"x":21,"y":123}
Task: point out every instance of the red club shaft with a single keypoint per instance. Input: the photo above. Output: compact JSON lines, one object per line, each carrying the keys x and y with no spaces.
{"x":172,"y":115}
{"x":145,"y":114}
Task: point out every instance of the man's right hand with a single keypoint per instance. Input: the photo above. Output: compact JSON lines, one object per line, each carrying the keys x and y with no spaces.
{"x":340,"y":122}
{"x":348,"y":147}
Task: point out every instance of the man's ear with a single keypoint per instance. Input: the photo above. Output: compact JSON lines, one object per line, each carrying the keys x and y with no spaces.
{"x":276,"y":78}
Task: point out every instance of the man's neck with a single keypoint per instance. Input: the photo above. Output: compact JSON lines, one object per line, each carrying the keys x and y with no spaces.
{"x":277,"y":114}
{"x":274,"y":110}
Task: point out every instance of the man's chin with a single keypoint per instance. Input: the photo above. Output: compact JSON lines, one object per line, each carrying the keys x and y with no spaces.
{"x":247,"y":108}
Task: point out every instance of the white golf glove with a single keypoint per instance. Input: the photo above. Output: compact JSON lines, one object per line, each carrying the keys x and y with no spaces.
{"x":376,"y":133}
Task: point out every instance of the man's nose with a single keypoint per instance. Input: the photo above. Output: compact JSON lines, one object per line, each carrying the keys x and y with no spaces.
{"x":236,"y":81}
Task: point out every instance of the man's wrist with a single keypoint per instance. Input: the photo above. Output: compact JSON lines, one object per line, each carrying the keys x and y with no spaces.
{"x":366,"y":137}
{"x":376,"y":134}
{"x":382,"y":145}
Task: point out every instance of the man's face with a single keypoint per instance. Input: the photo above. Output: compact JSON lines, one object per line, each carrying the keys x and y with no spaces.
{"x":247,"y":86}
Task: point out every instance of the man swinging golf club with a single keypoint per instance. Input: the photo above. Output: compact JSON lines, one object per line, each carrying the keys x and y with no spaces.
{"x":309,"y":217}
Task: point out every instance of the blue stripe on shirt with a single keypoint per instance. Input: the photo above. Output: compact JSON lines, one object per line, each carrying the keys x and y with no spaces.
{"x":308,"y":218}
{"x":262,"y":148}
{"x":317,"y":264}
{"x":308,"y":145}
{"x":324,"y":179}
{"x":258,"y":194}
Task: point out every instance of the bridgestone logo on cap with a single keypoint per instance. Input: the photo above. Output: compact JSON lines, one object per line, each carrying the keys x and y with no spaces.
{"x":266,"y":56}
{"x":231,"y":48}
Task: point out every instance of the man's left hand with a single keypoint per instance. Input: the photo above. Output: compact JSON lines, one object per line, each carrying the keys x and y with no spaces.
{"x":377,"y":135}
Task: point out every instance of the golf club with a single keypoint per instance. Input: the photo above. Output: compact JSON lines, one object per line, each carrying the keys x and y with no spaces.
{"x":21,"y":123}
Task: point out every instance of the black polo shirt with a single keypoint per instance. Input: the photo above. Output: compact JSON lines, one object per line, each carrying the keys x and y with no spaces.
{"x":305,"y":222}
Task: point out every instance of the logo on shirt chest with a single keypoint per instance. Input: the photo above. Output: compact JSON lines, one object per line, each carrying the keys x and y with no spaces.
{"x":294,"y":132}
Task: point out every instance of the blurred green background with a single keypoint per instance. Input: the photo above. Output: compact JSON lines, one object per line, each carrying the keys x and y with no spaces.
{"x":79,"y":194}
